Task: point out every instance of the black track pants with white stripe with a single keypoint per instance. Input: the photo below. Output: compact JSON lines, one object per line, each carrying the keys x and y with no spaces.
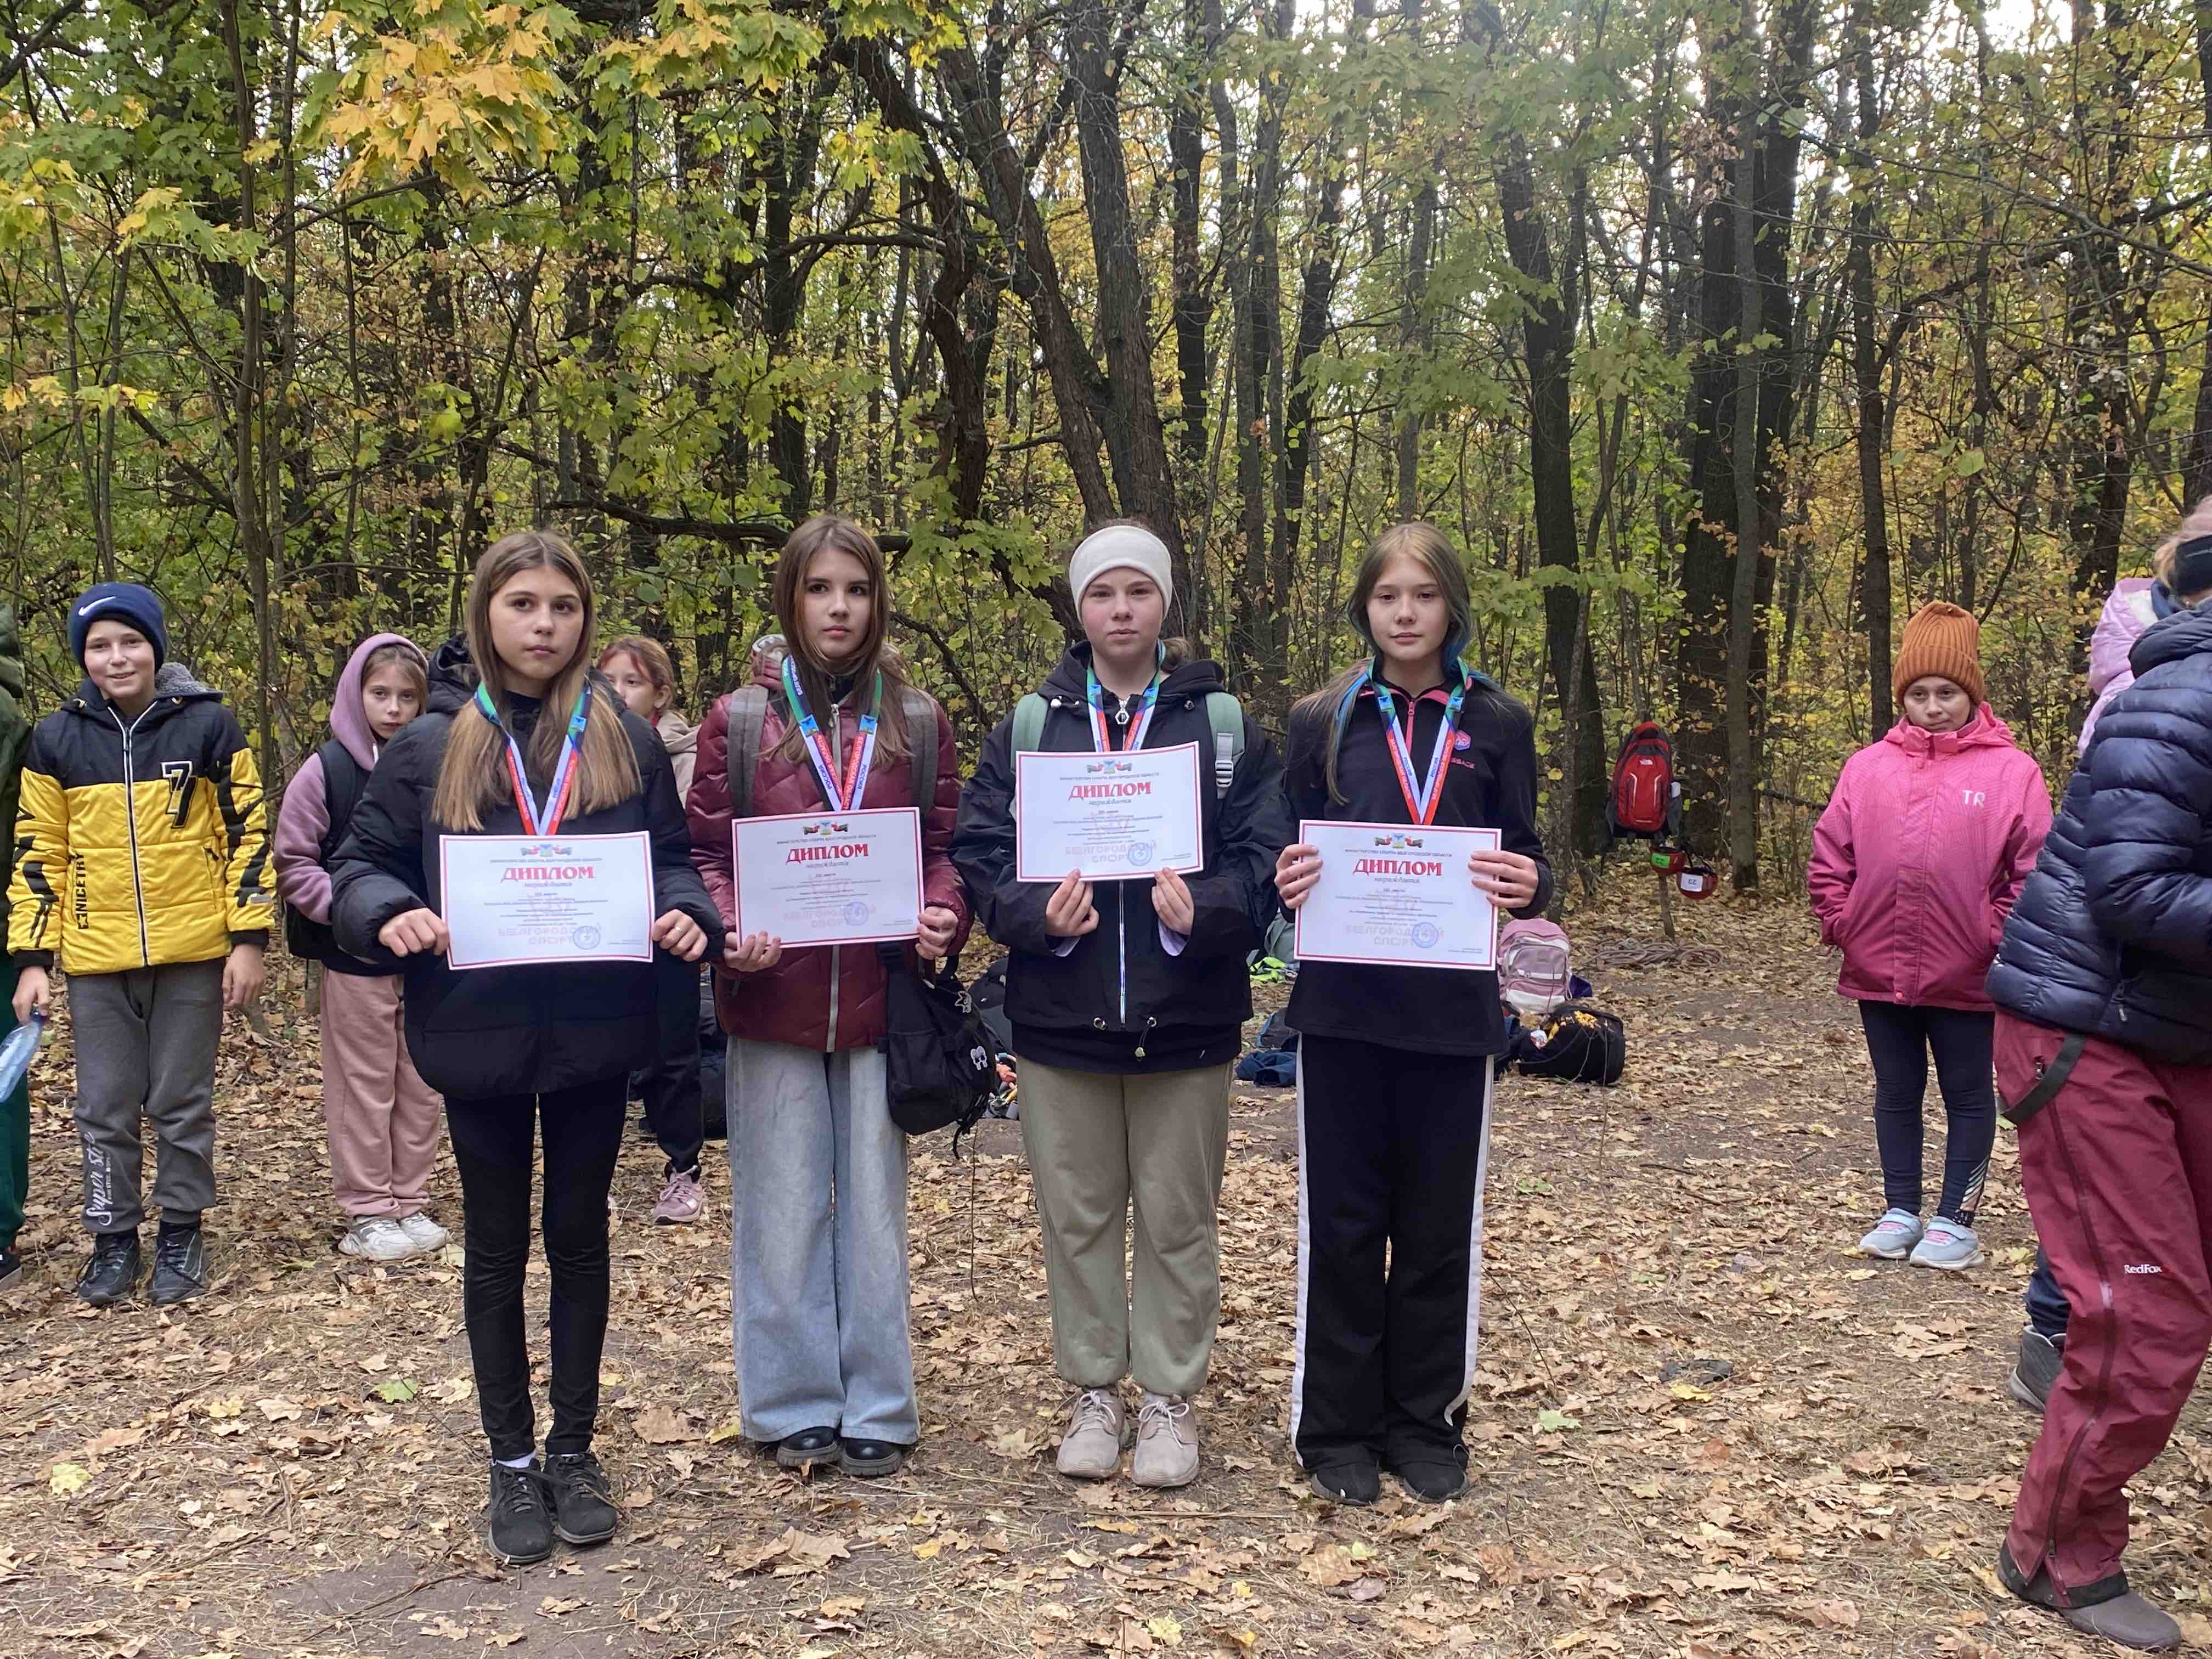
{"x":1391,"y":1150}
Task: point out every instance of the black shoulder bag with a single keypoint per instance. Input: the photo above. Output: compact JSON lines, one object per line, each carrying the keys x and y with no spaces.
{"x":940,"y":1068}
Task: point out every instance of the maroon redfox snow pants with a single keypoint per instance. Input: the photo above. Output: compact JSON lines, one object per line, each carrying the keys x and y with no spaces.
{"x":2117,"y":1170}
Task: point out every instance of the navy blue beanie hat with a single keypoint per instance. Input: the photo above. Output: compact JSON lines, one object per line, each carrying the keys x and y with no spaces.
{"x":125,"y":602}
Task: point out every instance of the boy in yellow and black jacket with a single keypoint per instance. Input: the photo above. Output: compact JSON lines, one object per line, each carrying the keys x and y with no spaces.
{"x":141,"y":861}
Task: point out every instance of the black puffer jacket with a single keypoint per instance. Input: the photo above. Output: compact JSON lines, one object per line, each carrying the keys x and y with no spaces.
{"x":511,"y":1030}
{"x":1118,"y":1001}
{"x":2113,"y":934}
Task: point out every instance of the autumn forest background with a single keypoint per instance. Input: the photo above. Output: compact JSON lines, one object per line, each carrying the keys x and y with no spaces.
{"x":1718,"y":336}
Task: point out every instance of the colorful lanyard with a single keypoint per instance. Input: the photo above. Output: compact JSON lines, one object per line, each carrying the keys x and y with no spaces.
{"x":857,"y":759}
{"x":1145,"y":701}
{"x":1421,"y":801}
{"x":546,"y":820}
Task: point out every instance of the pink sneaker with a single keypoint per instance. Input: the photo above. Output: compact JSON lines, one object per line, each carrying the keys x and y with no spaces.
{"x":682,"y":1201}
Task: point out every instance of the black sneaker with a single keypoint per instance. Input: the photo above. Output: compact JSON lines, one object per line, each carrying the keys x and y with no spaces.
{"x":11,"y":1267}
{"x":583,"y":1502}
{"x":1433,"y":1477}
{"x":112,"y":1274}
{"x":2036,"y":1370}
{"x":179,"y":1267}
{"x":1355,"y":1481}
{"x":517,"y":1522}
{"x":814,"y":1446}
{"x":871,"y":1459}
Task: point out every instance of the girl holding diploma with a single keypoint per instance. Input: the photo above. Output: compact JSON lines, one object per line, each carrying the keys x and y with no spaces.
{"x":1127,"y":1000}
{"x":543,"y":747}
{"x":817,"y":1228}
{"x":1394,"y":1062}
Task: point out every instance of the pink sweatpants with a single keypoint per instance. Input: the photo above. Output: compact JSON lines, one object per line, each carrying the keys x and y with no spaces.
{"x":383,"y":1118}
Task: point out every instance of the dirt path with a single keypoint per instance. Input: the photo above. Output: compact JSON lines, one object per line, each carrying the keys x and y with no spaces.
{"x":1701,"y":1428}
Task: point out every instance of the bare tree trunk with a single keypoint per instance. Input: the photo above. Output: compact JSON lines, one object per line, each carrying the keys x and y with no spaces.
{"x":1873,"y":421}
{"x":1743,"y":787}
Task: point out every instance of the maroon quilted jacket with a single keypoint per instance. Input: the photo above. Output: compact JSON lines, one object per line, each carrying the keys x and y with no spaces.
{"x":809,"y":992}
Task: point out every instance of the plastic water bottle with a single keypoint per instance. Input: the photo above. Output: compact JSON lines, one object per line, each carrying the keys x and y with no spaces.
{"x":16,"y":1053}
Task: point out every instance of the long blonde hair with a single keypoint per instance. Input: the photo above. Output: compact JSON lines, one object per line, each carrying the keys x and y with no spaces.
{"x":1428,"y":547}
{"x":472,"y":778}
{"x":833,"y":532}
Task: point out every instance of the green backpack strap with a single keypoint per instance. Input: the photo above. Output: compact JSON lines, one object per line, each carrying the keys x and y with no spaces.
{"x":748,"y":721}
{"x":918,"y":719}
{"x":1028,"y":723}
{"x":1226,"y":716}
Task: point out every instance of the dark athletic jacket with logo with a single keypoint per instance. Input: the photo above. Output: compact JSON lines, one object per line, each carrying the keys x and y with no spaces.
{"x":1490,"y":783}
{"x":139,"y":843}
{"x":1119,"y":1000}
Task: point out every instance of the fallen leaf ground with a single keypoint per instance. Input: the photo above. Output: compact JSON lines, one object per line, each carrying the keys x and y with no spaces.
{"x":1702,"y":1428}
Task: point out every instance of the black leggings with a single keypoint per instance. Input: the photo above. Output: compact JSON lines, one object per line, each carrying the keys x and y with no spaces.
{"x":1899,"y":1039}
{"x":492,"y":1144}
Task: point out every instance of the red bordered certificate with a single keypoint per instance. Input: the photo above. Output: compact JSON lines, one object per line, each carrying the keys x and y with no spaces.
{"x":1397,"y":894}
{"x":829,"y":878}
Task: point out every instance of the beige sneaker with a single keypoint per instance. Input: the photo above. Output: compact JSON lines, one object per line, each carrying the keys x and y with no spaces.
{"x":1167,"y":1442}
{"x":1091,"y":1447}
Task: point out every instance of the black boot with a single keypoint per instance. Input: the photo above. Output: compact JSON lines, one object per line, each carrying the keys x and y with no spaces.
{"x":2041,"y":1359}
{"x":1354,"y":1480}
{"x":584,"y":1509}
{"x":871,"y":1459}
{"x":1433,"y":1476}
{"x":517,"y":1521}
{"x":816,"y":1446}
{"x":112,"y":1274}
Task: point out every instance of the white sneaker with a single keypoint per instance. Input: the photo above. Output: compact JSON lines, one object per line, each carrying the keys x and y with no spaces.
{"x":1167,"y":1442}
{"x":1091,"y":1447}
{"x":1893,"y":1235}
{"x":377,"y":1238}
{"x":424,"y":1233}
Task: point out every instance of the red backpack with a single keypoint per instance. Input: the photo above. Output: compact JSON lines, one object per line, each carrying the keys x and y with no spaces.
{"x":1642,"y":782}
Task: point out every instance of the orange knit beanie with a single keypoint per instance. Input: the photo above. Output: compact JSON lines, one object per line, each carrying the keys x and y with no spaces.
{"x":1940,"y":638}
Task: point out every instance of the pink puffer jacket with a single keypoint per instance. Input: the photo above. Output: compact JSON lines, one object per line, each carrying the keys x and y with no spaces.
{"x":2128,"y":612}
{"x":1919,"y":859}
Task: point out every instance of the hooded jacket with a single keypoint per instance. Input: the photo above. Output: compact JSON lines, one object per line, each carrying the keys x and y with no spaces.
{"x":2113,"y":934}
{"x":303,"y":822}
{"x":2131,"y":609}
{"x":1919,"y":857}
{"x":1120,"y":999}
{"x":521,"y":1030}
{"x":139,"y":843}
{"x":827,"y":998}
{"x":681,"y":739}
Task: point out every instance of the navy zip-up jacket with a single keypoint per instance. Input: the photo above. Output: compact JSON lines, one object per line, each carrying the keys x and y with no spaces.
{"x":2113,"y":934}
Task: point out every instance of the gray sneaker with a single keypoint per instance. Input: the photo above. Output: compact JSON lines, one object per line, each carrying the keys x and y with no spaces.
{"x":1893,"y":1235}
{"x":424,"y":1233}
{"x":2036,"y":1371}
{"x":1167,"y":1442}
{"x":1091,"y":1447}
{"x":1950,"y":1245}
{"x":377,"y":1238}
{"x":2128,"y":1618}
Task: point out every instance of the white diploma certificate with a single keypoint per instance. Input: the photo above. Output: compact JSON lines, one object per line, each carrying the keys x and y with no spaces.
{"x":829,"y":878}
{"x":1399,"y":894}
{"x":517,"y":899}
{"x":1111,"y":817}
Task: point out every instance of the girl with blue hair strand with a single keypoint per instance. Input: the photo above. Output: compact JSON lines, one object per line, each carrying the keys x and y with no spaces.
{"x":1394,"y":1062}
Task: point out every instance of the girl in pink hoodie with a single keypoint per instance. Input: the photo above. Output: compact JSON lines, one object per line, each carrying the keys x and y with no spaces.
{"x":382,"y":1118}
{"x":1916,"y":863}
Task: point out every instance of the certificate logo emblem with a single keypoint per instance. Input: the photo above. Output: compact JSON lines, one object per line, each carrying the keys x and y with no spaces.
{"x":858,"y":911}
{"x":1140,"y":854}
{"x":1397,"y":841}
{"x":586,"y":937}
{"x":1425,"y":936}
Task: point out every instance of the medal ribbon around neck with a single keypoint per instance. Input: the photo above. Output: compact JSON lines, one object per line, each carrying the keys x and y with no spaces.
{"x":859,"y":758}
{"x":546,"y":820}
{"x":1423,"y":794}
{"x":1094,"y":695}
